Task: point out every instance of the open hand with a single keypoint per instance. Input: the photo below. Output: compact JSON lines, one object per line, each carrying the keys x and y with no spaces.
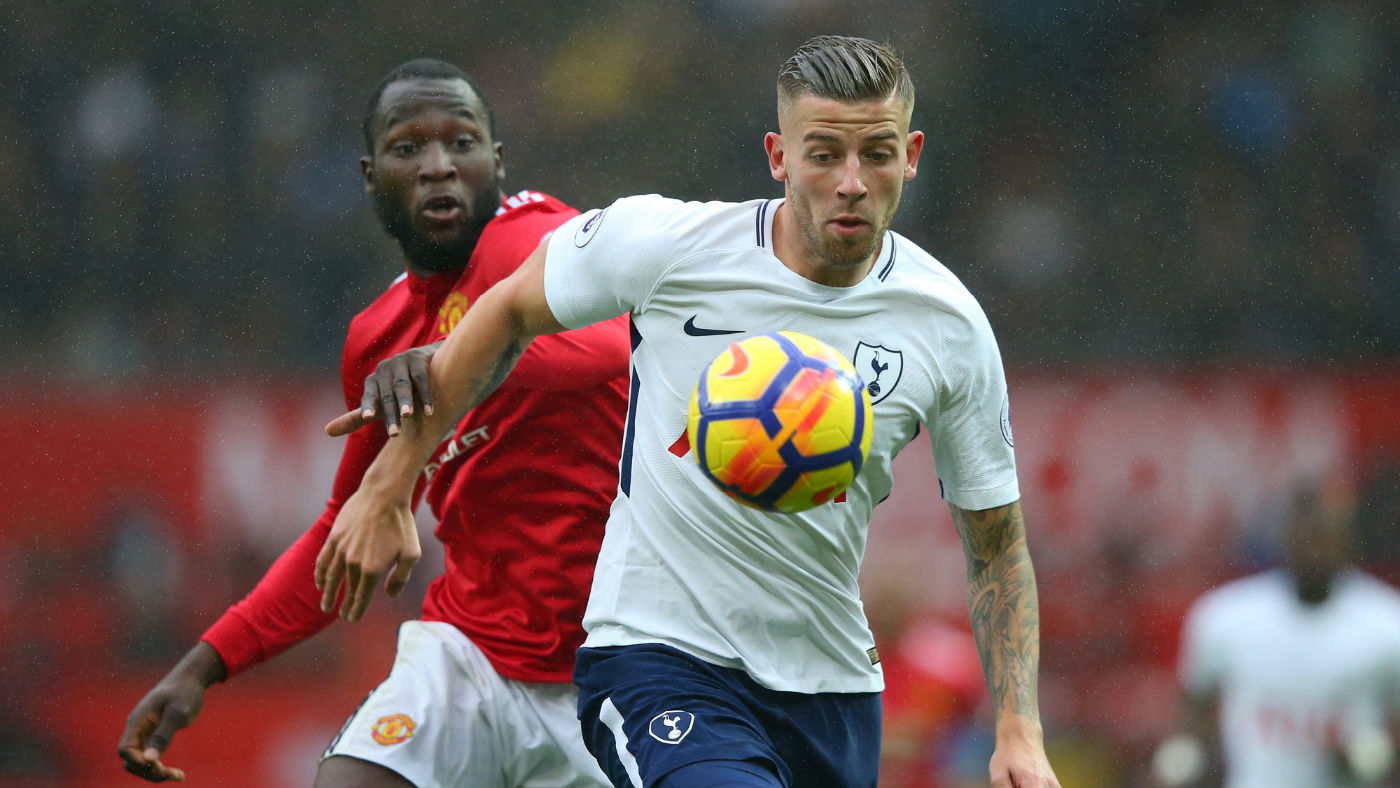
{"x":371,"y":537}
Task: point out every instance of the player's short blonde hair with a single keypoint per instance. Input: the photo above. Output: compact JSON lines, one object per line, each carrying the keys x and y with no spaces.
{"x":845,"y":68}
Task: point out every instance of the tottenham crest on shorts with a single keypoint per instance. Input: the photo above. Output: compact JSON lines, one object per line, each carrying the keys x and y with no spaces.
{"x":669,"y":727}
{"x":879,"y":367}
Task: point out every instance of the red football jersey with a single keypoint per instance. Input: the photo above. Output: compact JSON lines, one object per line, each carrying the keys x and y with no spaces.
{"x":521,"y":489}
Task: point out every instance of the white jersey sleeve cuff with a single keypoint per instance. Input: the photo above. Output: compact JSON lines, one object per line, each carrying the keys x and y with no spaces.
{"x":987,"y":498}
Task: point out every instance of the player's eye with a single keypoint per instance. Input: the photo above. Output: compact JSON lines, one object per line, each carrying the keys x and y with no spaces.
{"x":878,"y":155}
{"x":465,"y":143}
{"x":822,"y":157}
{"x":404,"y":149}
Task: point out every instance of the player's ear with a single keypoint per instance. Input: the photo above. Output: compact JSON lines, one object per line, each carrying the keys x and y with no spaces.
{"x":367,"y":170}
{"x":912,"y":148}
{"x":777,"y":163}
{"x":500,"y":151}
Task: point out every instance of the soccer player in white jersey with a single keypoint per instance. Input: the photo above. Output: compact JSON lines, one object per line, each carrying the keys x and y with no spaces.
{"x":1302,"y":661}
{"x":728,"y":646}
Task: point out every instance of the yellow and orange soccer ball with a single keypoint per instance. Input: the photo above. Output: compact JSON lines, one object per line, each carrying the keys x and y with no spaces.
{"x":780,"y":421}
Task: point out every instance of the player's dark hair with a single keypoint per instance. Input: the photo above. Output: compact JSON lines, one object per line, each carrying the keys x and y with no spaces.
{"x":845,"y":68}
{"x":423,"y":68}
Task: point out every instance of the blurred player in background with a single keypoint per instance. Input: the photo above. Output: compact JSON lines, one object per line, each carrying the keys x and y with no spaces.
{"x":1295,"y":672}
{"x":728,"y":646}
{"x":479,"y":693}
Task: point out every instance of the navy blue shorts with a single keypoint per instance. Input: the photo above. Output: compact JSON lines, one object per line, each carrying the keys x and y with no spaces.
{"x":655,"y":716}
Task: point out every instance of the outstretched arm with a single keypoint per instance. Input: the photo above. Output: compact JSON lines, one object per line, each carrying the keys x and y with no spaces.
{"x":1005,"y":613}
{"x":375,"y":530}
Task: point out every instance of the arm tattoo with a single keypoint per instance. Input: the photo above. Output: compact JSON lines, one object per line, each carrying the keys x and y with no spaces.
{"x":480,"y":389}
{"x":1002,"y":604}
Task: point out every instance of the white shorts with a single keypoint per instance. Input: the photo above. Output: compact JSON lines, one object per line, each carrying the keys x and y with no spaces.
{"x":445,"y":717}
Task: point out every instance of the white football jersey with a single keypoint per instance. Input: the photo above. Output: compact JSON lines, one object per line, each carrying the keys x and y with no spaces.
{"x":773,"y":595}
{"x":1293,"y":679}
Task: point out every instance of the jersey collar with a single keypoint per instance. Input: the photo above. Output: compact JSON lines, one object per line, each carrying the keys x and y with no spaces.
{"x":763,"y":237}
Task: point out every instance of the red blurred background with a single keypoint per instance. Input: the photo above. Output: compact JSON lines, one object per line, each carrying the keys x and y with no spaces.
{"x":136,"y":525}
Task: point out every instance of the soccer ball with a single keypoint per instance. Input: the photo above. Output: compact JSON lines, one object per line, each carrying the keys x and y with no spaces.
{"x":781,"y":422}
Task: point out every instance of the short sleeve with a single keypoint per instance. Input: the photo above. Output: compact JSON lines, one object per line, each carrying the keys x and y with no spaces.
{"x":970,"y":424}
{"x":607,"y":262}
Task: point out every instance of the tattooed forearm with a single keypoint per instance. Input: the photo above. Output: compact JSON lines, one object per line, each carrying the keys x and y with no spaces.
{"x":481,"y":388}
{"x":1002,"y":604}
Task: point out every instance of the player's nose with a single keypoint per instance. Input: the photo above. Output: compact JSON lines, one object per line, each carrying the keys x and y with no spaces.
{"x":436,"y":164}
{"x":851,"y":184}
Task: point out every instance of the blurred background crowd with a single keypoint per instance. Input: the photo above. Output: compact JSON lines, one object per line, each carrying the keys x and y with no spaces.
{"x":1207,"y":189}
{"x":1158,"y":181}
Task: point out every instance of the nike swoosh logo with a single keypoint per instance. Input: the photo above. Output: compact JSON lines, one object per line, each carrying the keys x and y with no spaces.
{"x":695,"y":331}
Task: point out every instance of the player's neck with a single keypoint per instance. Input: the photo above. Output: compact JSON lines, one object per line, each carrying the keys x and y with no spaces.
{"x":793,"y":250}
{"x":427,"y":273}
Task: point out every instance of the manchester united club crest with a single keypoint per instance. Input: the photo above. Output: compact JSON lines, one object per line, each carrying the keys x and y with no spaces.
{"x":451,"y":312}
{"x":393,"y":729}
{"x":879,"y":368}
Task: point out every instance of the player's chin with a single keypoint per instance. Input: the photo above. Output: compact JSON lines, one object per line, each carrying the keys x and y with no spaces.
{"x":441,"y":252}
{"x":845,"y":252}
{"x":438,"y":232}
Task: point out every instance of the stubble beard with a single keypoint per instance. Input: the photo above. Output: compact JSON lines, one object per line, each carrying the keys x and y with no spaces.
{"x":435,"y":256}
{"x":839,"y":253}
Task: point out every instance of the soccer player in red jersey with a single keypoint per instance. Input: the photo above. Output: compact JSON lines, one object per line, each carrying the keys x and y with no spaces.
{"x":480,"y":691}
